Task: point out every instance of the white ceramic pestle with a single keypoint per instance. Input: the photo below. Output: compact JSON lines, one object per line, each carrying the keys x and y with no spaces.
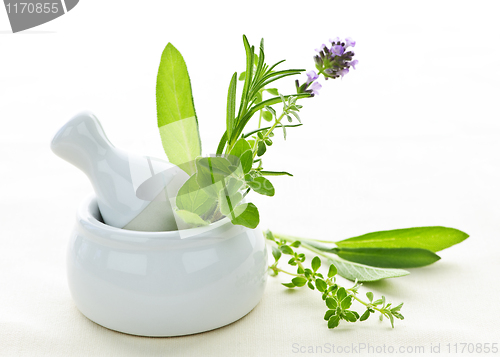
{"x":133,"y":192}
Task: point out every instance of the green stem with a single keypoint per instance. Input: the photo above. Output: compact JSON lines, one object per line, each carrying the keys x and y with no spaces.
{"x":293,"y":239}
{"x":266,"y":135}
{"x":287,"y":272}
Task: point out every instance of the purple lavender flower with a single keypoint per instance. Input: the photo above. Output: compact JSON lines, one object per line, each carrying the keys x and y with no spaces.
{"x":343,"y":72}
{"x":315,"y":87}
{"x":338,"y":50}
{"x":331,"y":63}
{"x":320,"y":48}
{"x":349,"y":42}
{"x":311,"y":76}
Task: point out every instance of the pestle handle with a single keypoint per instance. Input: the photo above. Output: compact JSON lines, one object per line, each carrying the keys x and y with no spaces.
{"x":82,"y":142}
{"x":116,"y":176}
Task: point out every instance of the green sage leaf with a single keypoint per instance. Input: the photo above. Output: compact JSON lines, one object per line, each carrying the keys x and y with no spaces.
{"x":177,"y":120}
{"x":194,"y":199}
{"x":389,"y":257}
{"x":240,"y":147}
{"x":262,"y":185}
{"x":191,"y":218}
{"x":212,"y":172}
{"x":228,"y":203}
{"x":246,"y":215}
{"x":431,"y":238}
{"x":246,"y":161}
{"x":364,"y":273}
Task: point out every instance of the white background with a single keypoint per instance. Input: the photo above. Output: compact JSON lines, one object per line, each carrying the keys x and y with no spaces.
{"x":408,"y":139}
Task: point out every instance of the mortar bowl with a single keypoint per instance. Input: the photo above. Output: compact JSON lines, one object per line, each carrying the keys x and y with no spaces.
{"x":164,"y":283}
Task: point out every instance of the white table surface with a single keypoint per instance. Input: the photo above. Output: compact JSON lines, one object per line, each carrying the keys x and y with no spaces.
{"x":408,"y":139}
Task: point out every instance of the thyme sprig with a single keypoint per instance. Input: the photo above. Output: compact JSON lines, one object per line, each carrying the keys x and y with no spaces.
{"x":337,"y":299}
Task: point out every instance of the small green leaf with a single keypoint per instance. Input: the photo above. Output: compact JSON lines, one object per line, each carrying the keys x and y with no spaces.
{"x":296,"y":115}
{"x":211,"y":173}
{"x":288,"y":285}
{"x":240,"y":147}
{"x":328,"y":314}
{"x":431,"y":238}
{"x":391,"y":318}
{"x":321,"y":285}
{"x":228,"y":203}
{"x":267,"y":116}
{"x":365,"y":316}
{"x":299,"y":281}
{"x":262,"y":186}
{"x":332,"y":271}
{"x":269,"y":235}
{"x":346,"y":302}
{"x":191,"y":218}
{"x":246,"y":215}
{"x":350,"y":316}
{"x":333,"y":321}
{"x":271,"y":110}
{"x":331,"y":303}
{"x":232,"y":186}
{"x":272,"y":91}
{"x":286,"y":249}
{"x":192,"y":198}
{"x":341,"y":294}
{"x":315,"y":264}
{"x":261,"y":148}
{"x":377,"y":302}
{"x":295,"y":244}
{"x":300,"y":270}
{"x":310,"y":285}
{"x":242,"y":76}
{"x":276,"y":254}
{"x":389,"y":257}
{"x":369,"y":295}
{"x":397,"y":308}
{"x":398,"y":315}
{"x":246,"y":161}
